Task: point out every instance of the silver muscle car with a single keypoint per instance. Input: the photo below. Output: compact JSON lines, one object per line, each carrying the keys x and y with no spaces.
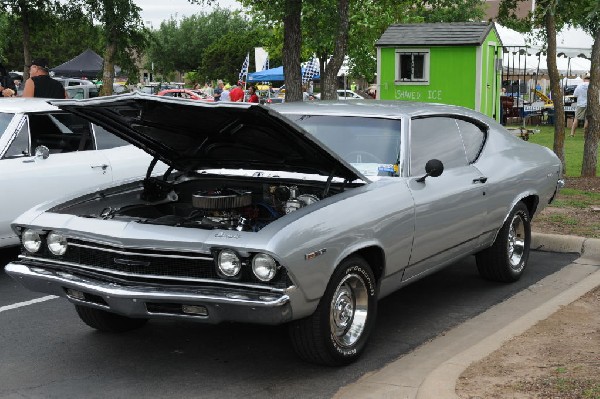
{"x":304,"y":213}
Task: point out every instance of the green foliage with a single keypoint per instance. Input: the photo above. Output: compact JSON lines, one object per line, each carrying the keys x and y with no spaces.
{"x":183,"y":46}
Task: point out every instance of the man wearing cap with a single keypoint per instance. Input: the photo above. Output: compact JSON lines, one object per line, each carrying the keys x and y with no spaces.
{"x":40,"y":84}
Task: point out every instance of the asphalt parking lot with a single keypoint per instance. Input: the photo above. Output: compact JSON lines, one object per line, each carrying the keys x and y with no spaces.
{"x":47,"y":352}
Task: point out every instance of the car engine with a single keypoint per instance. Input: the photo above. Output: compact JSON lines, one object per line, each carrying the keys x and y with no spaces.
{"x":195,"y":204}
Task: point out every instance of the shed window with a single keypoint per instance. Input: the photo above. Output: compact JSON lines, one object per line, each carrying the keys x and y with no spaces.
{"x":412,"y":66}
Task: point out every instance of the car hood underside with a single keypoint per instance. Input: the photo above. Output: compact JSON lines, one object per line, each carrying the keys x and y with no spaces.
{"x":192,"y":135}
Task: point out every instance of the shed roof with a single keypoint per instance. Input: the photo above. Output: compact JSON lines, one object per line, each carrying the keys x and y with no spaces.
{"x":436,"y":34}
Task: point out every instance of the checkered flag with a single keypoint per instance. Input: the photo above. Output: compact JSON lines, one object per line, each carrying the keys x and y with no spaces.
{"x":311,"y":69}
{"x":266,"y":64}
{"x":244,"y":71}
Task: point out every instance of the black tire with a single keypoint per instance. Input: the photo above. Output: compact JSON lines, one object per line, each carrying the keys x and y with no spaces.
{"x":106,"y":321}
{"x":507,"y":258}
{"x":348,"y":305}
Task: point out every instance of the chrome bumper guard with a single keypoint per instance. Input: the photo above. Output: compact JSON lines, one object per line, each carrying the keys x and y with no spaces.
{"x":205,"y":304}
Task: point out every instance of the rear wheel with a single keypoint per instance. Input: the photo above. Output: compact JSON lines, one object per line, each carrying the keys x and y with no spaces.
{"x":338,"y":331}
{"x":507,"y":258}
{"x":106,"y":321}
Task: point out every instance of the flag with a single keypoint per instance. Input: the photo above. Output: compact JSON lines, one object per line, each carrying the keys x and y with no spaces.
{"x":244,"y":71}
{"x":266,"y":64}
{"x":311,"y":69}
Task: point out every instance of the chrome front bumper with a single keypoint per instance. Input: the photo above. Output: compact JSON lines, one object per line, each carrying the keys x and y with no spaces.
{"x":205,"y":304}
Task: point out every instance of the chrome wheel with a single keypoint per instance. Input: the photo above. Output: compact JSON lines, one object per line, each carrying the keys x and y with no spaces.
{"x":516,"y":241}
{"x":349,"y":309}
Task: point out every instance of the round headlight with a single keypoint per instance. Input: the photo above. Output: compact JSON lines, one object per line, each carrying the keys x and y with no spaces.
{"x":229,"y":263}
{"x":57,"y":243}
{"x":31,"y":241}
{"x":264,"y":267}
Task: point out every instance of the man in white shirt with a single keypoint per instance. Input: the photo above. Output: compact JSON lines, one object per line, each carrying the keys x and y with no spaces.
{"x":580,"y":111}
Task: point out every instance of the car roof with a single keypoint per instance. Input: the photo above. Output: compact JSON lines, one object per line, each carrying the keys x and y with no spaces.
{"x":374,"y":108}
{"x":21,"y":104}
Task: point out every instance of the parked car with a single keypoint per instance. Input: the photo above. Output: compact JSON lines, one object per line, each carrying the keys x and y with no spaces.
{"x":68,"y":82}
{"x":185,"y":93}
{"x":345,"y":95}
{"x":303,"y":213}
{"x":82,"y":91}
{"x":46,"y":153}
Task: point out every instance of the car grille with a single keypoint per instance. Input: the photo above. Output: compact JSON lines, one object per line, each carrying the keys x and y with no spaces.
{"x":137,"y":265}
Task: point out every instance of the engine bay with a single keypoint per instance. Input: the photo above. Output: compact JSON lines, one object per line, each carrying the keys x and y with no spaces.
{"x":206,"y":203}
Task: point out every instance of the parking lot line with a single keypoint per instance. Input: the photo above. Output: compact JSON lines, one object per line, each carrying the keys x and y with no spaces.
{"x":27,"y":303}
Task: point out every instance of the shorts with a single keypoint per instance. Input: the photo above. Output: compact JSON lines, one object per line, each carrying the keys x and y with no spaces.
{"x":580,"y":113}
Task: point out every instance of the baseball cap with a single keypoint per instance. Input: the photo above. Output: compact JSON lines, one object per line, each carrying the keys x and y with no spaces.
{"x":40,"y":62}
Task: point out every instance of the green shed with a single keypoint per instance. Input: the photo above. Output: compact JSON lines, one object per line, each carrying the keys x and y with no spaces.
{"x":449,"y":63}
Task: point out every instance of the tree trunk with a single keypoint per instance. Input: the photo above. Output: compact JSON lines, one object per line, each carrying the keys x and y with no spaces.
{"x":292,"y":41}
{"x":592,"y":133}
{"x":108,"y":71}
{"x":329,"y":86}
{"x":26,"y":38}
{"x":557,"y":97}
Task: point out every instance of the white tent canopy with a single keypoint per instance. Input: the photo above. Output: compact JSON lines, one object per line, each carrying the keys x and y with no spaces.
{"x":523,"y":54}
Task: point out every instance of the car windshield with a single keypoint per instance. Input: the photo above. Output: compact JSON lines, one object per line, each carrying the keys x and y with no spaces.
{"x":372,"y":145}
{"x":4,"y":121}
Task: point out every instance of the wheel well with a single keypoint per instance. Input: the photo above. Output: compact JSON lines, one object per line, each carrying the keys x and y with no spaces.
{"x":375,"y":258}
{"x":531,"y":202}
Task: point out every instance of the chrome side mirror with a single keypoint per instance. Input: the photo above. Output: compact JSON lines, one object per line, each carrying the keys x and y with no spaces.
{"x":41,"y":152}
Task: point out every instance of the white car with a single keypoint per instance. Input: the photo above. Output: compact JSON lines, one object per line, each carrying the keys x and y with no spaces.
{"x":345,"y":95}
{"x":46,"y":153}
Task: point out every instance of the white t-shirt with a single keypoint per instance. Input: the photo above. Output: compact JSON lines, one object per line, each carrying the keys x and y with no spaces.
{"x":581,"y":94}
{"x":225,"y":95}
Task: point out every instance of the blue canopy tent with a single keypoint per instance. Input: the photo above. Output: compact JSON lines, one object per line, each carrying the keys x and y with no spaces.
{"x":270,"y":75}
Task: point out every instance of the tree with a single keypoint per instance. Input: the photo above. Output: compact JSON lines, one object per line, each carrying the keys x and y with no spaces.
{"x":123,"y":33}
{"x":27,"y":11}
{"x":587,"y":16}
{"x":551,"y":14}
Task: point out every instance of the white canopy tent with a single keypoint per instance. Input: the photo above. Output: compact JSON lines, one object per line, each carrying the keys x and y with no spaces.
{"x":522,"y":53}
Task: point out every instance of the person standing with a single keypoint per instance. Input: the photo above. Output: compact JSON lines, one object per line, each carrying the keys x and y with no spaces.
{"x":40,"y":84}
{"x":253,"y":96}
{"x":7,"y":86}
{"x":236,"y":94}
{"x":218,"y":90}
{"x":581,"y":110}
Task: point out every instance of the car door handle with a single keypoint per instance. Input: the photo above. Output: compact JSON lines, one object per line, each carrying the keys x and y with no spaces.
{"x":481,"y":179}
{"x":103,"y":167}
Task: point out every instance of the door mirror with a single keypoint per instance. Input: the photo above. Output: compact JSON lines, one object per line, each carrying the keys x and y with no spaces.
{"x":433,"y":168}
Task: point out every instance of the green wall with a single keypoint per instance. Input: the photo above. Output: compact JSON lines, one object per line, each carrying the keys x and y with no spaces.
{"x":451,"y":77}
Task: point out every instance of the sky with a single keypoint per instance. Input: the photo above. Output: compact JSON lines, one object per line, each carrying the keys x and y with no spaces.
{"x":156,"y":11}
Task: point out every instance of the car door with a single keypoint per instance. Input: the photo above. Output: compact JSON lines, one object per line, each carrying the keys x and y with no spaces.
{"x":30,"y":180}
{"x":126,"y":160}
{"x":450,"y":210}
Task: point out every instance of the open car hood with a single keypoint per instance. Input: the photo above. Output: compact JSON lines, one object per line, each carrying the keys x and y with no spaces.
{"x":190,"y":135}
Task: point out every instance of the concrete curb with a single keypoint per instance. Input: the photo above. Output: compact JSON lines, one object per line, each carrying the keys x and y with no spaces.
{"x":441,"y":382}
{"x":418,"y":376}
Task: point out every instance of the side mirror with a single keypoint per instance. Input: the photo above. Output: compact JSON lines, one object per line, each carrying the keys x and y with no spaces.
{"x":433,"y":168}
{"x":41,"y":152}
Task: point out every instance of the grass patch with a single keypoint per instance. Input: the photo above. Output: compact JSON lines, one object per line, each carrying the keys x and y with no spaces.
{"x":573,"y":147}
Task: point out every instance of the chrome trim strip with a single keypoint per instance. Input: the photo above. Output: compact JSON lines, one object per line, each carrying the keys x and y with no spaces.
{"x":112,"y":244}
{"x":141,"y":254}
{"x":152,"y":276}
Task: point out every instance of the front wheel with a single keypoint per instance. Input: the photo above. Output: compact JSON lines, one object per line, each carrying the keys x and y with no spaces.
{"x":507,"y":258}
{"x":106,"y":321}
{"x":337,"y":333}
